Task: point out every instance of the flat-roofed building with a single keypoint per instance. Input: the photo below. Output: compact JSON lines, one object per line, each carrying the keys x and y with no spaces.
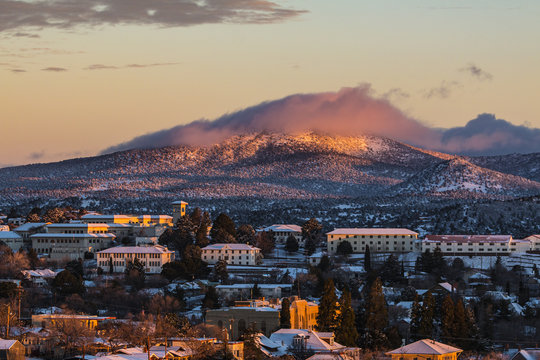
{"x":119,"y":230}
{"x":378,"y":239}
{"x":156,"y":220}
{"x":477,"y":245}
{"x":152,"y":257}
{"x":535,"y":243}
{"x":179,"y":210}
{"x":282,"y":231}
{"x":70,"y":246}
{"x":245,"y":291}
{"x":12,"y":239}
{"x":50,"y":320}
{"x":109,"y":219}
{"x":233,"y":254}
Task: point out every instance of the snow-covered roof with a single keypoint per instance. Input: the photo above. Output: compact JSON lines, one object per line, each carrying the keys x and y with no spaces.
{"x":71,"y":236}
{"x":283,"y":228}
{"x":467,"y":238}
{"x":425,"y":347}
{"x":285,"y":337}
{"x":99,"y":216}
{"x":478,"y":276}
{"x":154,"y":249}
{"x":30,"y":226}
{"x":371,"y":231}
{"x":179,"y":203}
{"x":84,"y":226}
{"x":46,"y":273}
{"x":528,"y":354}
{"x":7,"y":344}
{"x":230,"y":247}
{"x":9,"y":235}
{"x":447,"y":286}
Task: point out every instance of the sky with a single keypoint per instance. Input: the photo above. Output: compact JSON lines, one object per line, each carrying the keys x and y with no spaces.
{"x":78,"y":78}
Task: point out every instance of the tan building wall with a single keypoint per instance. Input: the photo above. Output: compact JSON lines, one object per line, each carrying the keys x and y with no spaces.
{"x":70,"y":246}
{"x":179,"y":210}
{"x":237,"y":319}
{"x":303,"y":314}
{"x":152,"y":257}
{"x":378,"y":240}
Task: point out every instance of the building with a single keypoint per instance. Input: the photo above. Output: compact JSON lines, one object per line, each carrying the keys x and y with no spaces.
{"x":152,"y":257}
{"x":119,"y":230}
{"x":426,"y":350}
{"x":378,"y":239}
{"x":48,"y":321}
{"x":39,"y":277}
{"x":179,"y":210}
{"x":282,"y":231}
{"x":12,"y":239}
{"x":245,"y":291}
{"x":11,"y":350}
{"x":233,"y":254}
{"x":70,"y":246}
{"x":155,"y":220}
{"x":109,"y":219}
{"x":28,"y":229}
{"x":527,"y":354}
{"x":475,"y":245}
{"x":535,"y":243}
{"x":303,"y":314}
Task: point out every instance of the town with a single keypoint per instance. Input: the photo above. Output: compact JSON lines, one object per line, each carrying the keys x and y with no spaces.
{"x":76,"y":284}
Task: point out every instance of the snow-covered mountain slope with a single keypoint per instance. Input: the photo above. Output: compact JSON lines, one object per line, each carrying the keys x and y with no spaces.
{"x":266,"y":165}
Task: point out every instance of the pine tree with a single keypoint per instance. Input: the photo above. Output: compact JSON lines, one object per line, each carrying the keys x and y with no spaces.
{"x":111,"y":267}
{"x":292,"y":244}
{"x":256,"y":291}
{"x":460,"y":321}
{"x":367,"y":259}
{"x":346,"y":333}
{"x":416,"y":318}
{"x":328,"y":307}
{"x":428,"y":313}
{"x":222,"y":225}
{"x":220,"y":270}
{"x":285,"y":314}
{"x":376,"y":311}
{"x":447,"y":318}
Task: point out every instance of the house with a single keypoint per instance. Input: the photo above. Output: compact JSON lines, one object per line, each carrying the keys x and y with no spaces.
{"x":11,"y":350}
{"x":12,"y":239}
{"x":233,"y":254}
{"x":379,"y":240}
{"x":282,"y":231}
{"x":152,"y":257}
{"x":527,"y":354}
{"x":425,"y":349}
{"x":70,"y":246}
{"x":39,"y":277}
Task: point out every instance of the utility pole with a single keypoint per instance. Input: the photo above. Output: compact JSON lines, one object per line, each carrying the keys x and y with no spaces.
{"x":7,"y":323}
{"x":19,"y":290}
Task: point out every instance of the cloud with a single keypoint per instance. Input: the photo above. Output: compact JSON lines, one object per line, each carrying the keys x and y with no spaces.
{"x":442,"y":91}
{"x":396,"y":94}
{"x":68,"y":14}
{"x":18,"y":71}
{"x":28,"y":35}
{"x":54,"y":69}
{"x":476,"y":72}
{"x":133,"y":66}
{"x":37,"y":155}
{"x":349,"y":111}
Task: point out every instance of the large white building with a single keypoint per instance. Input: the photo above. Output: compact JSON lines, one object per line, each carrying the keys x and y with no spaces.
{"x":233,"y":254}
{"x":478,"y":245}
{"x":378,"y":239}
{"x":152,"y":257}
{"x":12,"y":239}
{"x":59,"y":246}
{"x":534,"y":240}
{"x":282,"y":231}
{"x":119,"y":230}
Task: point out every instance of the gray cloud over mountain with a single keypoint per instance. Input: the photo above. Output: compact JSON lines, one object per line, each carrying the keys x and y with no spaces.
{"x":350,"y":111}
{"x":68,"y":14}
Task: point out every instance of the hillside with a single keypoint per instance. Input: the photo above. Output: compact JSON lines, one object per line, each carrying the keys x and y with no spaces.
{"x":274,"y":166}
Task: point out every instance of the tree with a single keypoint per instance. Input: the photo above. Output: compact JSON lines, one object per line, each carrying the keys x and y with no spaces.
{"x":460,"y":322}
{"x":245,"y":234}
{"x":328,"y":308}
{"x":346,"y":333}
{"x":285,"y":314}
{"x":54,"y":215}
{"x":223,"y":224}
{"x":367,"y":259}
{"x":416,"y":318}
{"x":256,"y":291}
{"x":192,"y":266}
{"x":344,"y":248}
{"x":428,"y":314}
{"x":311,"y":232}
{"x":211,"y":299}
{"x":135,"y":274}
{"x":8,"y":289}
{"x":376,"y":311}
{"x":391,"y":270}
{"x":292,"y":244}
{"x":111,"y":266}
{"x":220,"y":270}
{"x":67,"y":283}
{"x":447,"y":318}
{"x":265,"y":242}
{"x":73,"y":334}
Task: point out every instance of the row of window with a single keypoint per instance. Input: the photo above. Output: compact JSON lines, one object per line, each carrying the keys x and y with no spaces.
{"x":131,"y":255}
{"x":68,"y":241}
{"x":372,"y":236}
{"x":227,"y":251}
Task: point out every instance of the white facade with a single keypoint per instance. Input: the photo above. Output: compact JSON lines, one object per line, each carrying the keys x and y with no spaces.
{"x":152,"y":257}
{"x":12,"y":239}
{"x":477,"y":245}
{"x":70,"y":246}
{"x":282,"y":231}
{"x":233,"y":254}
{"x":535,"y":242}
{"x":378,"y":239}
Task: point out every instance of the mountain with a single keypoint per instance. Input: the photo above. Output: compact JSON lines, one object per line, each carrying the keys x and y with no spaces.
{"x":275,"y":166}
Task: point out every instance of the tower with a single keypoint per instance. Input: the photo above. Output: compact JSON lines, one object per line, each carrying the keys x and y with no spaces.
{"x":179,"y":210}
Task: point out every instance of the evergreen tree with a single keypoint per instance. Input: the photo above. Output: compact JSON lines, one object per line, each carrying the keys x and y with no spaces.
{"x":265,"y":242}
{"x":111,"y":266}
{"x":447,"y":318}
{"x":460,"y":321}
{"x":222,"y":225}
{"x":428,"y":314}
{"x":311,"y":232}
{"x":220,"y":270}
{"x":416,"y":318}
{"x":391,"y":270}
{"x":346,"y":333}
{"x":367,"y":259}
{"x":292,"y":244}
{"x":376,"y":311}
{"x":256,"y":291}
{"x":135,"y":274}
{"x":344,"y":248}
{"x":328,"y":308}
{"x":245,"y":234}
{"x":285,"y":314}
{"x":67,"y":283}
{"x":211,"y":299}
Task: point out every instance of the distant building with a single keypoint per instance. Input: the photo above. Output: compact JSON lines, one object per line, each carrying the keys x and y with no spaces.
{"x":48,"y":321}
{"x":233,"y":254}
{"x":426,"y":350}
{"x":12,"y":239}
{"x":109,"y":219}
{"x":29,"y":228}
{"x":152,"y":257}
{"x":378,"y":239}
{"x":527,"y":354}
{"x":475,"y":245}
{"x":303,"y":314}
{"x":245,"y":291}
{"x":70,"y":246}
{"x":119,"y":230}
{"x":11,"y":350}
{"x":282,"y":231}
{"x":534,"y":240}
{"x":39,"y":276}
{"x":179,"y":210}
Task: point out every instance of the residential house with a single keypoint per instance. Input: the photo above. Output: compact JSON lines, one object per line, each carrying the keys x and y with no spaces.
{"x":425,"y":349}
{"x":11,"y":350}
{"x":527,"y":354}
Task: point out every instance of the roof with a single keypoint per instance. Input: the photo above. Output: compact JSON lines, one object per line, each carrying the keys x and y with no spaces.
{"x":179,"y":203}
{"x":9,"y":235}
{"x":314,"y":342}
{"x":250,"y":286}
{"x":71,"y":236}
{"x":157,"y":217}
{"x":528,"y":354}
{"x":283,"y":228}
{"x":30,"y":226}
{"x":7,"y":344}
{"x":425,"y":347}
{"x":371,"y":231}
{"x":468,"y":238}
{"x":155,"y":249}
{"x":46,"y":273}
{"x":230,"y":247}
{"x":112,"y":217}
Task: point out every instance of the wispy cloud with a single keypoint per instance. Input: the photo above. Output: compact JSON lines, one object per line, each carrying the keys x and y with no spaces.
{"x":55,"y":69}
{"x":132,"y":66}
{"x":396,"y":94}
{"x":476,"y":72}
{"x":67,"y":14}
{"x":17,"y":71}
{"x":443,"y":91}
{"x":27,"y":35}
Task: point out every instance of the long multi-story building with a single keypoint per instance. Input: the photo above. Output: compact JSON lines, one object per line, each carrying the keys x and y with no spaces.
{"x":477,"y":245}
{"x":152,"y":257}
{"x":58,"y":246}
{"x":377,"y":239}
{"x":534,"y":240}
{"x":282,"y":231}
{"x":233,"y":254}
{"x":119,"y":230}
